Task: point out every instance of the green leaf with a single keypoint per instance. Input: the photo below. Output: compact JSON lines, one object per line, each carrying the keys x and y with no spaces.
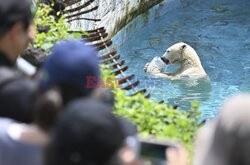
{"x":86,"y":33}
{"x":77,"y":35}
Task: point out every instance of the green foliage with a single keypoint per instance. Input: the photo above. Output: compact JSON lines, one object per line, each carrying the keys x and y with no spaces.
{"x":106,"y":74}
{"x":157,"y":119}
{"x":58,"y":30}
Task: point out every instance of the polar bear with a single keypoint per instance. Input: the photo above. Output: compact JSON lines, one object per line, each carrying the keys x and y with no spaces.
{"x":183,"y":55}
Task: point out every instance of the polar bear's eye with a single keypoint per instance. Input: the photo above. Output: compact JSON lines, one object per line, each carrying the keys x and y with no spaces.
{"x":168,"y":51}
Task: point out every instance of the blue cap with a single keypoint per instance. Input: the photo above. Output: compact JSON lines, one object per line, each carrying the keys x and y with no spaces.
{"x":71,"y":62}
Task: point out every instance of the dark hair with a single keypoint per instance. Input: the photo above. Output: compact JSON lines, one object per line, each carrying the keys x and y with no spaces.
{"x":50,"y":103}
{"x":105,"y":95}
{"x":13,"y":11}
{"x":85,"y":134}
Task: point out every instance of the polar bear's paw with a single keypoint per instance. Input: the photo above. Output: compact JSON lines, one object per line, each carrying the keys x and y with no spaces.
{"x":146,"y":67}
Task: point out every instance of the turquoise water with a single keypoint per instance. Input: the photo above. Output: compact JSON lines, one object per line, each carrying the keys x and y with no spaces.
{"x":219,"y":31}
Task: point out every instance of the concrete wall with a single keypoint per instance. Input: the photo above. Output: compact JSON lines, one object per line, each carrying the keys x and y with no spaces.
{"x":115,"y":14}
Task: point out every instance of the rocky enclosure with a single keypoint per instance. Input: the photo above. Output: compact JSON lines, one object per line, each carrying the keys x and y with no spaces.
{"x":114,"y":14}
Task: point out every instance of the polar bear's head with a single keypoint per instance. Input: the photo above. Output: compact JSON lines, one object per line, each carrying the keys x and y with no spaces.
{"x":181,"y":54}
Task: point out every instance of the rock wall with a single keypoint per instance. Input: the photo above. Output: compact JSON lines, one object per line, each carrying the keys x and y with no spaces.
{"x":115,"y":14}
{"x":148,"y":19}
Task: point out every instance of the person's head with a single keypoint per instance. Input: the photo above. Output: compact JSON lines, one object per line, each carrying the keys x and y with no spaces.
{"x":227,"y":140}
{"x":86,"y":133}
{"x":65,"y":72}
{"x":69,"y":66}
{"x":16,"y":28}
{"x":105,"y":95}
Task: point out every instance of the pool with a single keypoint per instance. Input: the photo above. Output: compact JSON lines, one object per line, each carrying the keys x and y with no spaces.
{"x":219,"y":31}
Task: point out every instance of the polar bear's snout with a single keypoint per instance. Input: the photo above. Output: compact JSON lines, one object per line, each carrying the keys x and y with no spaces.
{"x":165,"y":60}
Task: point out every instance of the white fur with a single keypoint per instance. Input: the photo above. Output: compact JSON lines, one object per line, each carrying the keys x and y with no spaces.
{"x":185,"y":56}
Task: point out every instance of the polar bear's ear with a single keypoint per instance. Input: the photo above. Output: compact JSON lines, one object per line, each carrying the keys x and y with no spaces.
{"x":183,"y":47}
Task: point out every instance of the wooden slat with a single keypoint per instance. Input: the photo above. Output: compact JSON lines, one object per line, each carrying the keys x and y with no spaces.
{"x":79,"y":7}
{"x":120,"y":70}
{"x":110,"y":60}
{"x":202,"y":123}
{"x":90,"y":31}
{"x":87,"y":19}
{"x":124,"y":80}
{"x":103,"y":57}
{"x":161,"y":102}
{"x":71,"y":2}
{"x":133,"y":85}
{"x":141,"y":91}
{"x":96,"y":34}
{"x":101,"y":48}
{"x":114,"y":66}
{"x":81,"y":13}
{"x":148,"y":96}
{"x":96,"y":30}
{"x":97,"y":38}
{"x":104,"y":45}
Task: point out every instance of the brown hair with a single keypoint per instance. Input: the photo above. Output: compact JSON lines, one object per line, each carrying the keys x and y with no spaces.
{"x":50,"y":103}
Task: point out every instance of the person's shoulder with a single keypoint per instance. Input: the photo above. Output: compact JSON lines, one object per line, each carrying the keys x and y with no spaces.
{"x":11,"y":78}
{"x":7,"y":74}
{"x":17,"y":98}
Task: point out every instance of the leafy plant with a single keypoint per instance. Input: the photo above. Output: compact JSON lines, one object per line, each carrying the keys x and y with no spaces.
{"x":57,"y":30}
{"x":156,"y":119}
